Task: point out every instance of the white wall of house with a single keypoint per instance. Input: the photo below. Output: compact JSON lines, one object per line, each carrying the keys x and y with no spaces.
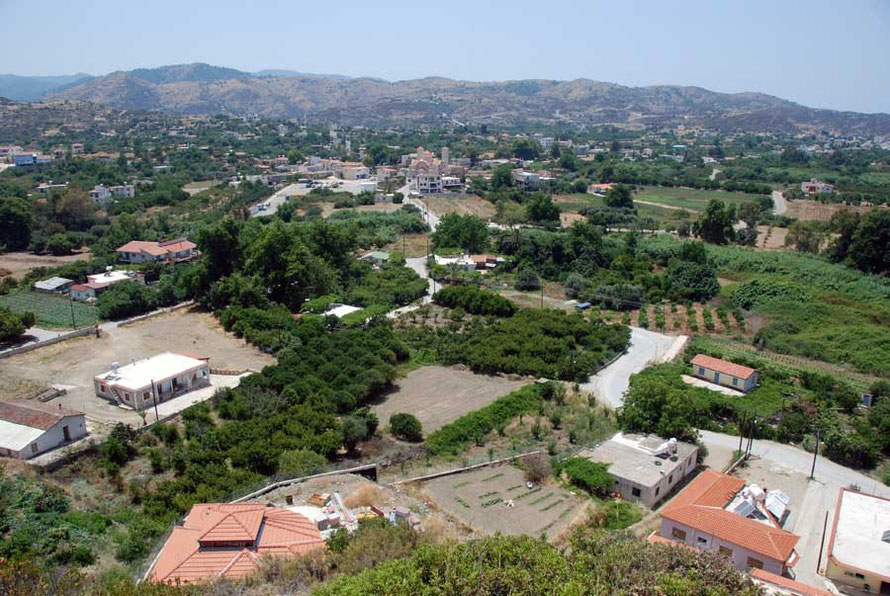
{"x":724,"y":379}
{"x":141,"y":397}
{"x":52,"y":438}
{"x":738,"y":555}
{"x":650,"y":495}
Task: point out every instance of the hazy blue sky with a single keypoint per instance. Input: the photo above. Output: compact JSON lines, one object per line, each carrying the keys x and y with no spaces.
{"x":822,"y":53}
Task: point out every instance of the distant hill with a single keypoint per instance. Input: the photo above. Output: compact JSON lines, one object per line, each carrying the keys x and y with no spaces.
{"x":205,"y":89}
{"x":277,"y":72}
{"x":21,"y":88}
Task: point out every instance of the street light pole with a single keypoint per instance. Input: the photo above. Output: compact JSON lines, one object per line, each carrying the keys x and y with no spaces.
{"x":71,"y":304}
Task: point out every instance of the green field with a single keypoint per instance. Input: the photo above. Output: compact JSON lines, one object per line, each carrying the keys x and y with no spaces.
{"x":690,"y":198}
{"x":51,"y":311}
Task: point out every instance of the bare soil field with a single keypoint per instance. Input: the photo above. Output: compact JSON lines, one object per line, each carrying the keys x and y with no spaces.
{"x":481,"y":499}
{"x":411,"y":245}
{"x":460,"y":204}
{"x":438,"y":395}
{"x":568,"y":219}
{"x":75,"y":362}
{"x":771,"y":238}
{"x":19,"y":263}
{"x":327,"y":208}
{"x":807,"y":209}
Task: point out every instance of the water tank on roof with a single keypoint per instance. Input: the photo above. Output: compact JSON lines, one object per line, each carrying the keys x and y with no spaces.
{"x":757,"y":492}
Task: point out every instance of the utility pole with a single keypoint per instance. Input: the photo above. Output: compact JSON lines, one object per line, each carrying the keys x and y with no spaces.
{"x":542,"y":294}
{"x":154,"y":398}
{"x":815,"y":453}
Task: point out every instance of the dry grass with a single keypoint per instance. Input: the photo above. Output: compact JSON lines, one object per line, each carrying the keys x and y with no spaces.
{"x":364,"y":496}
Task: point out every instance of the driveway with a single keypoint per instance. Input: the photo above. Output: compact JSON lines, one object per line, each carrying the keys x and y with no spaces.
{"x":820,"y":497}
{"x":646,"y":347}
{"x":780,"y":205}
{"x":278,"y":199}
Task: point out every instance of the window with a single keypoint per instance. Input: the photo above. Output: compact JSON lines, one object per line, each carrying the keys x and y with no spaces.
{"x":145,"y":396}
{"x":702,"y":541}
{"x":670,"y":478}
{"x":678,"y":534}
{"x":102,"y":388}
{"x":635,"y":492}
{"x":735,"y":381}
{"x":33,"y":447}
{"x":726,"y":552}
{"x":701,"y":370}
{"x":657,"y":490}
{"x":755,"y":563}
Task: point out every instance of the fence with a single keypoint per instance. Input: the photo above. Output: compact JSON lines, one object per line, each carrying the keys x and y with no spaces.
{"x":155,"y":313}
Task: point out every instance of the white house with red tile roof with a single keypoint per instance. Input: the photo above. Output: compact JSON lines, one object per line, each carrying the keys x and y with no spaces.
{"x":143,"y":251}
{"x":29,"y":428}
{"x":717,"y":512}
{"x":722,"y":372}
{"x":229,"y":540}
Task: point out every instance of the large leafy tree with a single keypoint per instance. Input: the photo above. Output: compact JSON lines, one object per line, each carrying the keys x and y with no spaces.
{"x":619,"y":197}
{"x":464,"y":231}
{"x":15,"y":223}
{"x":869,"y":243}
{"x":715,"y":224}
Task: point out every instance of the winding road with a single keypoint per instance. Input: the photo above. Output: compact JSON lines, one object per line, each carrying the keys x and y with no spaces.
{"x":780,"y":205}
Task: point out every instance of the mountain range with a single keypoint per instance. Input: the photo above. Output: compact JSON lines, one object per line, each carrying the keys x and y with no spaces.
{"x":204,"y":89}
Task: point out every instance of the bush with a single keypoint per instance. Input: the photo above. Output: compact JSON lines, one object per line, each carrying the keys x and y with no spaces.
{"x":537,"y":468}
{"x":125,"y":299}
{"x":13,"y":325}
{"x":453,"y":437}
{"x":527,"y":280}
{"x":474,"y":301}
{"x":406,"y":427}
{"x":300,"y":462}
{"x":588,"y":475}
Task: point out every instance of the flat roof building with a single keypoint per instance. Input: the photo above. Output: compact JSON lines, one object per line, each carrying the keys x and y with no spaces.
{"x":29,"y":428}
{"x":161,"y":377}
{"x":645,"y":467}
{"x":859,"y":547}
{"x":53,"y":284}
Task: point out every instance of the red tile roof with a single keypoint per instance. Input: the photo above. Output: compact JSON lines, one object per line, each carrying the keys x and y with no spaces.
{"x":795,"y":587}
{"x":722,"y":366}
{"x":157,"y":249}
{"x":700,"y":506}
{"x":34,"y":414}
{"x":228,"y":540}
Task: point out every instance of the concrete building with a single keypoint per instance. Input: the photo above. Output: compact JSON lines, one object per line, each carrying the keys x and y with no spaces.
{"x":76,"y":148}
{"x":29,"y":428}
{"x":229,"y":540}
{"x":718,"y":513}
{"x":54,"y":284}
{"x":377,"y":257}
{"x":99,"y":282}
{"x":143,"y":251}
{"x":645,"y":467}
{"x":160,"y":377}
{"x":46,"y":188}
{"x":354,"y":171}
{"x":526,"y":180}
{"x":816,"y":187}
{"x":103,"y":194}
{"x":722,"y":372}
{"x":425,"y":171}
{"x":859,"y":547}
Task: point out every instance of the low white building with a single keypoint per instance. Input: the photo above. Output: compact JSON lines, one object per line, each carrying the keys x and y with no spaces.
{"x":53,"y":284}
{"x":29,"y":428}
{"x":859,"y":547}
{"x":340,"y":310}
{"x":157,"y":379}
{"x":103,"y":194}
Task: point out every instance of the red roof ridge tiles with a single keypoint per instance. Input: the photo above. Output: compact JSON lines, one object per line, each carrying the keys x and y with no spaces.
{"x":35,"y":415}
{"x":228,"y":540}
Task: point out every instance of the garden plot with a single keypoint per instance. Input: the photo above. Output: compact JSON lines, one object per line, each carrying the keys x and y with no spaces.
{"x":438,"y":395}
{"x":481,"y":499}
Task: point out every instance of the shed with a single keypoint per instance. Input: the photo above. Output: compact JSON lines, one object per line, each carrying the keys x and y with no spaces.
{"x":723,"y":372}
{"x":29,"y":428}
{"x":53,"y":284}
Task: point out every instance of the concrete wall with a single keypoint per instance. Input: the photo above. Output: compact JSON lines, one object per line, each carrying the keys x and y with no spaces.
{"x":724,"y":379}
{"x":48,"y":342}
{"x":706,"y":542}
{"x":839,"y":573}
{"x":650,"y":495}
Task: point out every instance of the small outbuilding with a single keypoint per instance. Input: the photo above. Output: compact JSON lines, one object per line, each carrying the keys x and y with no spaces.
{"x":53,"y":285}
{"x":723,"y":372}
{"x":377,"y":257}
{"x":29,"y":428}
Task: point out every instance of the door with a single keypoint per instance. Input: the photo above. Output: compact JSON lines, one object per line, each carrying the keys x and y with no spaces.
{"x":885,"y":587}
{"x":66,"y":434}
{"x":716,"y":377}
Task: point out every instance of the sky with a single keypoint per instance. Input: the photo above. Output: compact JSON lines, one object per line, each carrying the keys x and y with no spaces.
{"x":821,"y":53}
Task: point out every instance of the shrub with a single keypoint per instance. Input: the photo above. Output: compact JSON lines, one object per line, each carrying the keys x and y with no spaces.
{"x":300,"y":462}
{"x":406,"y":427}
{"x":474,"y":301}
{"x":453,"y":437}
{"x":527,"y":280}
{"x":588,"y":475}
{"x":536,"y":468}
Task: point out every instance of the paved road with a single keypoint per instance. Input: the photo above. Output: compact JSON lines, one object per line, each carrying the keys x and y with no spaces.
{"x":278,"y":199}
{"x":646,"y":347}
{"x":780,"y":205}
{"x":821,"y":495}
{"x":428,"y":216}
{"x":714,"y":173}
